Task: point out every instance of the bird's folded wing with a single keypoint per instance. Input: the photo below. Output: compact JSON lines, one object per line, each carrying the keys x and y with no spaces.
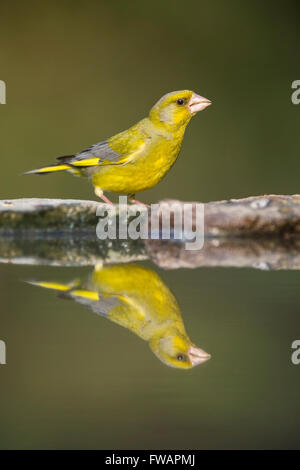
{"x":96,"y":302}
{"x":103,"y":154}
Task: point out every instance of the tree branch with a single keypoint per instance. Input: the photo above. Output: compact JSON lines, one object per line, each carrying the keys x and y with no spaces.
{"x":259,"y":232}
{"x":253,"y":216}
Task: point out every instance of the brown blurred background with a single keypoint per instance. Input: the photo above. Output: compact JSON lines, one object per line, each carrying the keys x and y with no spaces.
{"x":79,"y":72}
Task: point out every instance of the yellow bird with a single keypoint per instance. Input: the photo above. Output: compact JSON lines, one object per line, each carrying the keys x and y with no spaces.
{"x":138,"y":158}
{"x":136,"y":298}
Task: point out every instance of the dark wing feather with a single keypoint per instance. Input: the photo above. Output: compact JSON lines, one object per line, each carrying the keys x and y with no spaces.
{"x":102,"y":306}
{"x":65,"y":158}
{"x":101,"y":151}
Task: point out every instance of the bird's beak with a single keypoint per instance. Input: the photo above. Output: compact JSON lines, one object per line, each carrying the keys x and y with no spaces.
{"x":197,"y":355}
{"x":198,"y":103}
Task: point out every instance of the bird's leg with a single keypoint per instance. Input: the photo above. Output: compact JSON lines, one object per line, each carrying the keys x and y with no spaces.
{"x":135,"y":201}
{"x":99,"y":193}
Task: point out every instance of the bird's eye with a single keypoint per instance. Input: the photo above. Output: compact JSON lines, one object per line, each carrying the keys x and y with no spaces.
{"x":180,"y":101}
{"x":180,"y":357}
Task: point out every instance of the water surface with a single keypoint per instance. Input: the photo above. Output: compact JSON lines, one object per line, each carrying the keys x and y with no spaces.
{"x":74,"y":379}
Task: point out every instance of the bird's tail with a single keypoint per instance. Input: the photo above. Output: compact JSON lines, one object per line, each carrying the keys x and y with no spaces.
{"x":72,"y":289}
{"x":52,"y":285}
{"x":49,"y":169}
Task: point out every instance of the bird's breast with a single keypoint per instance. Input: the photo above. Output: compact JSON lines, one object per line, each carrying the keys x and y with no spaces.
{"x":144,"y":171}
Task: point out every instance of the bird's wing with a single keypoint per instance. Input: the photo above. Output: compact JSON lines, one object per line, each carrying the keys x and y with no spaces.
{"x":101,"y":305}
{"x":98,"y":154}
{"x":116,"y":151}
{"x":93,"y":300}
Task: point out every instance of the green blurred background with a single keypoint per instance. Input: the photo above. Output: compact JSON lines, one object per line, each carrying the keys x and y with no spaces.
{"x":79,"y":72}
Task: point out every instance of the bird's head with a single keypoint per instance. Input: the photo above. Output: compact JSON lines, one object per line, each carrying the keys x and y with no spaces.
{"x":177,"y":108}
{"x":176,"y":350}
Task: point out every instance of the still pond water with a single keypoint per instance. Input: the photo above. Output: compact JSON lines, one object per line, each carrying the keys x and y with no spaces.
{"x":91,"y":351}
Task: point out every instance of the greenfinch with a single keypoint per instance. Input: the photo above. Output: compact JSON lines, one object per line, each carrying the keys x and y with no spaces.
{"x":138,"y":158}
{"x":136,"y":298}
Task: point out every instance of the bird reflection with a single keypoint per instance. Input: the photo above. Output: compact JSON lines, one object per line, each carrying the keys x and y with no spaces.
{"x":136,"y":298}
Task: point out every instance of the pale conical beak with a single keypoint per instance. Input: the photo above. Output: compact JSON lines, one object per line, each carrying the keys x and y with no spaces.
{"x":198,"y":103}
{"x":197,"y":356}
